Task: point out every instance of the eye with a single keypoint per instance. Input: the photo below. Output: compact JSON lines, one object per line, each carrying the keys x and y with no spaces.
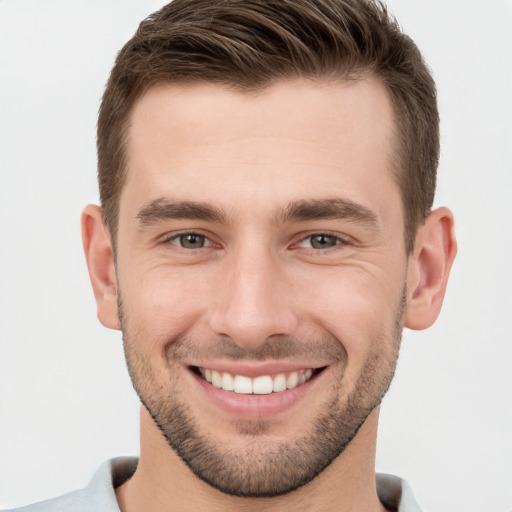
{"x":190,"y":240}
{"x":320,"y":241}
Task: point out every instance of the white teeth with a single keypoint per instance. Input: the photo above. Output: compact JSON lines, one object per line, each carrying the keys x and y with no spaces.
{"x":228,"y":383}
{"x":292,"y":380}
{"x":305,"y":376}
{"x":279,"y":383}
{"x":243,"y":385}
{"x":216,"y":379}
{"x":262,"y":385}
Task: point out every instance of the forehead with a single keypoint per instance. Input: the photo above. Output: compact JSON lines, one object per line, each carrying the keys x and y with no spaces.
{"x":293,"y":139}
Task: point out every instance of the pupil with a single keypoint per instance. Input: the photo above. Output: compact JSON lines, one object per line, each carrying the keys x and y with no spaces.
{"x":323,"y":241}
{"x":192,"y":241}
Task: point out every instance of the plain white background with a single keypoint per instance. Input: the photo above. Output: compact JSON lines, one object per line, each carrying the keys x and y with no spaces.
{"x":66,"y":403}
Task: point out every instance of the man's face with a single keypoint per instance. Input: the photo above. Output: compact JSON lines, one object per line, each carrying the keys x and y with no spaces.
{"x":260,"y":247}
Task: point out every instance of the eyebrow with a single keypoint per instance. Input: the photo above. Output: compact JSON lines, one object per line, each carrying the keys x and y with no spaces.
{"x":163,"y":209}
{"x":303,"y":210}
{"x":334,"y":209}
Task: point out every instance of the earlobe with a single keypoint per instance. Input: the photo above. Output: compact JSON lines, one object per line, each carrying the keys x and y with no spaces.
{"x":100,"y":262}
{"x":429,"y":269}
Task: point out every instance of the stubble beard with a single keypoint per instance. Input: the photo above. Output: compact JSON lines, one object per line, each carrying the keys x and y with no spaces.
{"x":260,"y":469}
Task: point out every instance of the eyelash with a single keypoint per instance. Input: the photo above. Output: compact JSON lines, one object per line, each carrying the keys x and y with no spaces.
{"x":339,"y":241}
{"x":177,"y":236}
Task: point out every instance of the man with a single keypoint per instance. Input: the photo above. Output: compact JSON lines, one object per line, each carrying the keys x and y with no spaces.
{"x":267,"y":172}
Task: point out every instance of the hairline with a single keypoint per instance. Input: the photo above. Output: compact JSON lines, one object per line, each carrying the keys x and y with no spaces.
{"x":398,"y":144}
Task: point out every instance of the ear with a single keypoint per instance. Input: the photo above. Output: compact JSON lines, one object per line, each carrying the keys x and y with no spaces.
{"x":100,"y":262}
{"x":429,"y":267}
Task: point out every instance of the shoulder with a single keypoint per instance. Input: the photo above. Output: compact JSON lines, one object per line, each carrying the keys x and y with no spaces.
{"x":395,"y":493}
{"x":72,"y":501}
{"x":99,"y":495}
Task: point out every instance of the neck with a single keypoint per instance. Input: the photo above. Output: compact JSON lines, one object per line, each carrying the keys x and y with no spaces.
{"x":163,"y":482}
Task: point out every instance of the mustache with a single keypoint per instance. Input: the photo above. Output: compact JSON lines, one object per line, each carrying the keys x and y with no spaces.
{"x":327,"y":348}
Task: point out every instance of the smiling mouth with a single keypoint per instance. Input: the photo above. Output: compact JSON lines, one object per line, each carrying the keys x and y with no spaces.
{"x":261,"y":385}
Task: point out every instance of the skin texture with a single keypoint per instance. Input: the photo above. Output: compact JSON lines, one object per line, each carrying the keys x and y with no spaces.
{"x":262,"y":294}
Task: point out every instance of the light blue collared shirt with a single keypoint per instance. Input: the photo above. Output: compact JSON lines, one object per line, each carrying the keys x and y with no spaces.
{"x":100,"y":496}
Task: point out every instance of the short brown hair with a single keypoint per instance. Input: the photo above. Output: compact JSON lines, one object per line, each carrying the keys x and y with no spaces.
{"x":250,"y":44}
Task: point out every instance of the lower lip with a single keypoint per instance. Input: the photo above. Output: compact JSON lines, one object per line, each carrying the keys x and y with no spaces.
{"x":254,"y":406}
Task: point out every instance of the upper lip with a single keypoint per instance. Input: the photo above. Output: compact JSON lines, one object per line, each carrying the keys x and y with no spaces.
{"x":256,"y":369}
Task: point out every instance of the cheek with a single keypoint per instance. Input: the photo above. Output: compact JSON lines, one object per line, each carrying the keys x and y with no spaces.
{"x":357,"y":307}
{"x":162,"y":303}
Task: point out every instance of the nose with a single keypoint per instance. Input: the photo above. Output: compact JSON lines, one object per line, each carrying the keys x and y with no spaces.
{"x":255,"y":299}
